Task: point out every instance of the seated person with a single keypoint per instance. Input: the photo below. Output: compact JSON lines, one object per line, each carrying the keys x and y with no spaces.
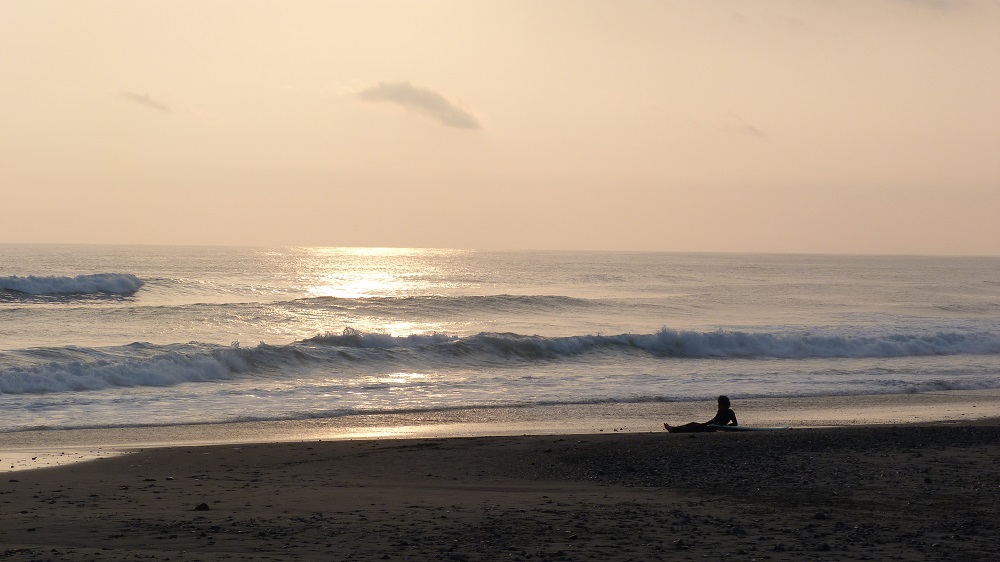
{"x":725,"y":416}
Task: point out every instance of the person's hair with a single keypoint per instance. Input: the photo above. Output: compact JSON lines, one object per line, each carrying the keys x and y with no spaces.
{"x":723,"y":402}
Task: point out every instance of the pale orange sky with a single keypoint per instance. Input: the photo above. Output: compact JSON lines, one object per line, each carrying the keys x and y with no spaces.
{"x":867,"y":126}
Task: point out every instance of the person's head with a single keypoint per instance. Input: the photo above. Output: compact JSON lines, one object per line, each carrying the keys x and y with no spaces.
{"x":723,"y":402}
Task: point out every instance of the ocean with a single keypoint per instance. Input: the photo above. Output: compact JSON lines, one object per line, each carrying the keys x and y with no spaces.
{"x":130,"y":336}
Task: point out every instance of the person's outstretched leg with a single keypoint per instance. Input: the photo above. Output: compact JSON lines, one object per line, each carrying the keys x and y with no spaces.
{"x":693,"y":427}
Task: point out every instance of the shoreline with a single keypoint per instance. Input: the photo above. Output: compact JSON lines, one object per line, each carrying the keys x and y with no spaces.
{"x":30,"y":449}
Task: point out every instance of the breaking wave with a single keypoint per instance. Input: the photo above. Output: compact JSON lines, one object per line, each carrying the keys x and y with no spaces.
{"x":682,"y":344}
{"x":98,"y":283}
{"x":81,"y":369}
{"x":165,"y":369}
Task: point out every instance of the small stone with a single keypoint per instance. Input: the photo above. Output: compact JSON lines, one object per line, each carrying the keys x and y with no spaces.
{"x":201,"y":507}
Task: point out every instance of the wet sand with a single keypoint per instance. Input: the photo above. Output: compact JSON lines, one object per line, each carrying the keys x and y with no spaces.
{"x":866,"y":492}
{"x":33,"y":449}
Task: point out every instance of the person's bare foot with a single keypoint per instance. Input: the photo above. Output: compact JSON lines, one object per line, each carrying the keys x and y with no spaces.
{"x":667,"y":426}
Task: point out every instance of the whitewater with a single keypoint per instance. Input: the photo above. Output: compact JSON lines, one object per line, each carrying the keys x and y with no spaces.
{"x":128,"y":336}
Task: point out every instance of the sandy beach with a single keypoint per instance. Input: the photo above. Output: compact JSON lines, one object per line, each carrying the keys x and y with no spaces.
{"x":926,"y":491}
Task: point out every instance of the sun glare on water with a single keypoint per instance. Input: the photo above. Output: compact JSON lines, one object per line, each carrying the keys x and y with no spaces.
{"x":384,"y":277}
{"x":354,"y":273}
{"x":358,"y":285}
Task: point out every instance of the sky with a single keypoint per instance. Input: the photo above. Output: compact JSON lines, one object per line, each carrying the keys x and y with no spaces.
{"x":806,"y":126}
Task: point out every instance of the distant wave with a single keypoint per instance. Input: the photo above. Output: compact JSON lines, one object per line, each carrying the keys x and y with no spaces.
{"x":352,"y":351}
{"x":440,"y":304}
{"x":98,"y":283}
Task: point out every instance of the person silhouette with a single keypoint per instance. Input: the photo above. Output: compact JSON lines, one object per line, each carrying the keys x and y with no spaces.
{"x":725,"y":416}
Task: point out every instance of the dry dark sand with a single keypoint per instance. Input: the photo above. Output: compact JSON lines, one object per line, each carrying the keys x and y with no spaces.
{"x":852,"y":493}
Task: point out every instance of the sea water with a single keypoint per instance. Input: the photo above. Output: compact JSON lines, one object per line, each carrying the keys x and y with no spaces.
{"x":126,"y":336}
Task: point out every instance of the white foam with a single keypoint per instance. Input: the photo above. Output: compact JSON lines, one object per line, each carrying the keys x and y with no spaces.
{"x":109,"y":283}
{"x":683,"y":344}
{"x":165,"y":370}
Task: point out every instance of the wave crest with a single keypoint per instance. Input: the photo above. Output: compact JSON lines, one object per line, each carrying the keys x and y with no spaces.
{"x":359,"y":352}
{"x":98,"y":283}
{"x":167,"y":369}
{"x":750,"y":345}
{"x":680,"y":344}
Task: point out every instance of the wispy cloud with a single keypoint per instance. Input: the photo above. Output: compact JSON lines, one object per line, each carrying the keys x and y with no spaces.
{"x":735,"y":124}
{"x":421,"y":100}
{"x":939,"y":4}
{"x":146,"y":100}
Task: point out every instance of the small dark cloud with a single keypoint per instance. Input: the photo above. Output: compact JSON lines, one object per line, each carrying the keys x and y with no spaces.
{"x":736,"y":124}
{"x":748,"y":129}
{"x":146,"y":100}
{"x":421,"y":100}
{"x":937,"y":4}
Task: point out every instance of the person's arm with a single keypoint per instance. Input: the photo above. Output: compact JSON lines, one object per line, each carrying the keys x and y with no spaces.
{"x":732,"y":418}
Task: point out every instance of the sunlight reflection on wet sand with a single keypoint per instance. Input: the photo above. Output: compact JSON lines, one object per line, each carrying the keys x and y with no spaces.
{"x":35,"y":449}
